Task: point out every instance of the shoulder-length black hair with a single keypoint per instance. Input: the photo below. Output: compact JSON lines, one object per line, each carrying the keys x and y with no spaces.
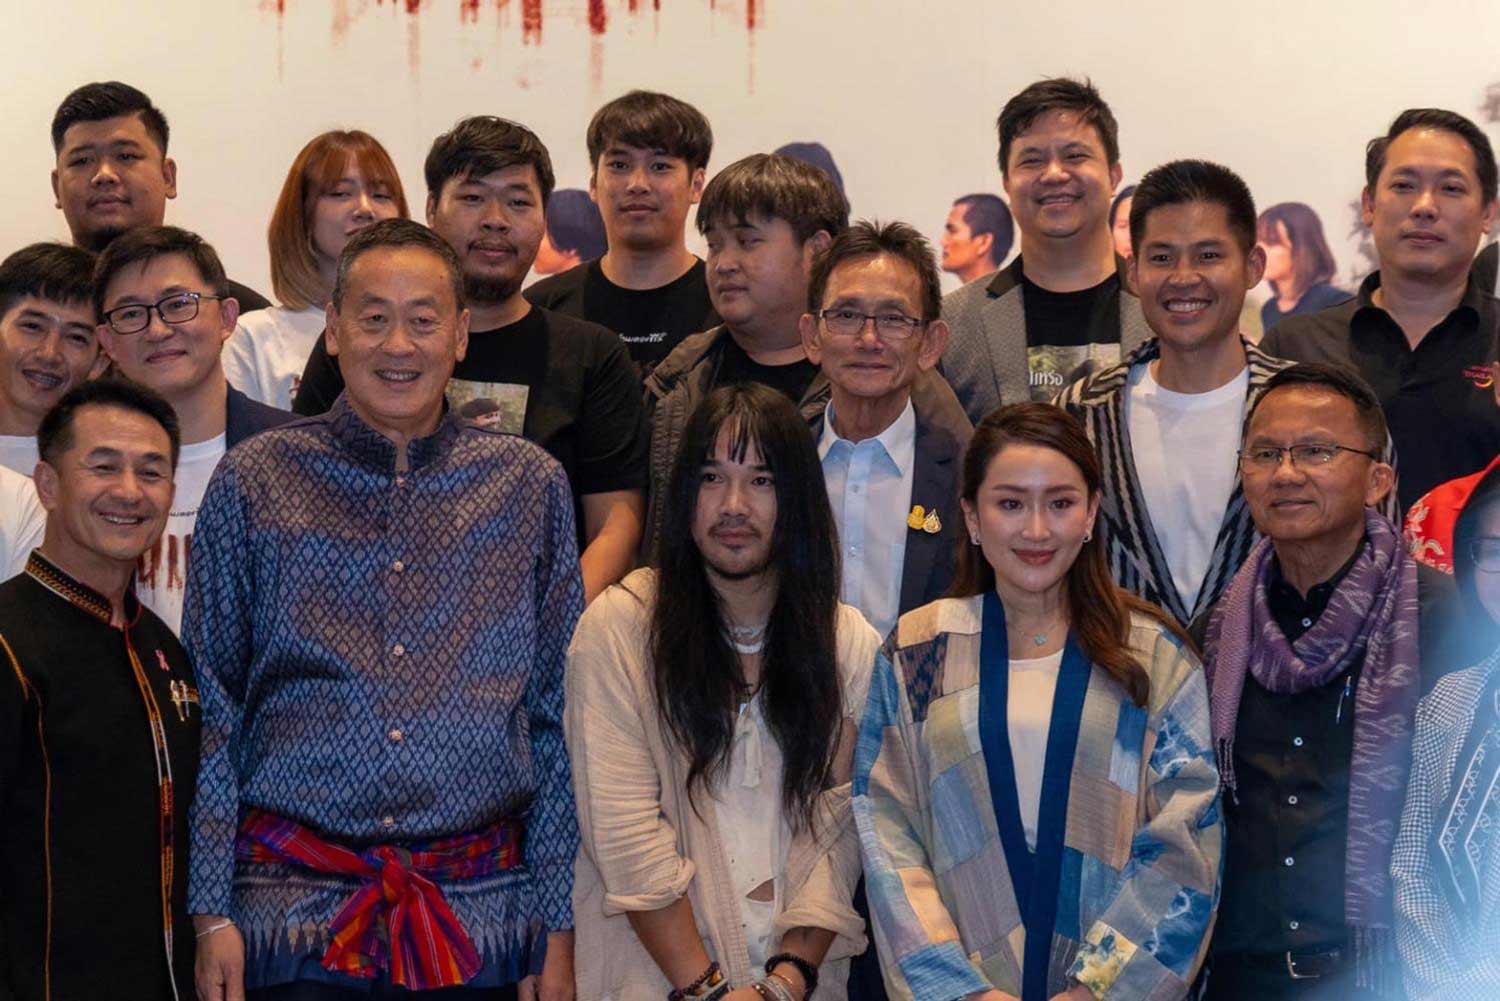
{"x":696,"y":672}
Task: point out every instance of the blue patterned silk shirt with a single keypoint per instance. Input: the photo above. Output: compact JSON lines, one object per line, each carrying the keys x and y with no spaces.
{"x":381,"y":659}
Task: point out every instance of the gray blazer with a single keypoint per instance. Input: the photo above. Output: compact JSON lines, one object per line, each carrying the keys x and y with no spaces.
{"x":986,"y":362}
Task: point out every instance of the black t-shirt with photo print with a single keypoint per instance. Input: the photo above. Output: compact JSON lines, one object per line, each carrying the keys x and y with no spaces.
{"x":650,"y":321}
{"x":1069,"y":334}
{"x":566,"y":385}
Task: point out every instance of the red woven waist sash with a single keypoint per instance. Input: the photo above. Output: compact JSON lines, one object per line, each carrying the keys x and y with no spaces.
{"x":398,"y":920}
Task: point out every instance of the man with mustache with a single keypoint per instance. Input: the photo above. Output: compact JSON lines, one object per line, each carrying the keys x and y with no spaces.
{"x":1060,"y":310}
{"x":165,"y":312}
{"x":113,"y":173}
{"x":1423,"y":330}
{"x":648,"y":153}
{"x":48,"y":344}
{"x":565,"y":384}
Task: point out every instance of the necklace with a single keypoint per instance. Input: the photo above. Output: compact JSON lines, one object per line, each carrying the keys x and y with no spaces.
{"x":1040,"y":639}
{"x":748,"y":640}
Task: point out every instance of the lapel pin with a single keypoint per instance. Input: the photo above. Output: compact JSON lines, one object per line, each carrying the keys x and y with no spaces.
{"x":923,"y":520}
{"x":161,"y":662}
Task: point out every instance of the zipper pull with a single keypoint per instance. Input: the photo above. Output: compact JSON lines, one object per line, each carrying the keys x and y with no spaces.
{"x":1338,"y":716}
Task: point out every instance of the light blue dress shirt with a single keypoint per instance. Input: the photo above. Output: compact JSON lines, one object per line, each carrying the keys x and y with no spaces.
{"x":869,"y":485}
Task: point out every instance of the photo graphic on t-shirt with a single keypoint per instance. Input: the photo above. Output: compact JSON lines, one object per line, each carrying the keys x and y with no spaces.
{"x":498,"y":405}
{"x":1055,"y":366}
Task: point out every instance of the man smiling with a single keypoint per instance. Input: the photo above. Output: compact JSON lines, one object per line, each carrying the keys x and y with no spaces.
{"x":166,"y":310}
{"x":1060,"y":310}
{"x":47,"y":341}
{"x":1167,"y":420}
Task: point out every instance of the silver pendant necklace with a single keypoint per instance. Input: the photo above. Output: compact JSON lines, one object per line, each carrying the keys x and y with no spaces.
{"x":747,"y":640}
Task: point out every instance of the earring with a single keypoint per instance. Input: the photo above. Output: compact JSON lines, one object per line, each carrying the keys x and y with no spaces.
{"x":974,"y":539}
{"x":1088,"y":536}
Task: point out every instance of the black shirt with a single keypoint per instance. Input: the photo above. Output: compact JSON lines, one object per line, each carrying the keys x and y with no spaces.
{"x":651,"y":322}
{"x":564,"y":384}
{"x":86,"y":821}
{"x":1069,"y":334}
{"x":1291,"y":805}
{"x":737,"y":366}
{"x":1439,"y":399}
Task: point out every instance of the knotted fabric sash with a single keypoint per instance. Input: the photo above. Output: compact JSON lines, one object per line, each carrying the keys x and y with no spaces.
{"x":398,"y":920}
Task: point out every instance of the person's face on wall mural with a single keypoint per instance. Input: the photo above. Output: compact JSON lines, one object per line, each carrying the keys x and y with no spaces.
{"x":1192,"y":275}
{"x":644,"y":196}
{"x":550,"y":260}
{"x":1121,"y":231}
{"x":495,"y":224}
{"x":111,"y":177}
{"x":1426,"y":211}
{"x":1280,"y":267}
{"x":1059,"y":182}
{"x":758,"y":269}
{"x":869,"y":363}
{"x":964,"y":252}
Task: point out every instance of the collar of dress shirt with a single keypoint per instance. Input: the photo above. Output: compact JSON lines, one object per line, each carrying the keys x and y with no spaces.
{"x":899,"y":440}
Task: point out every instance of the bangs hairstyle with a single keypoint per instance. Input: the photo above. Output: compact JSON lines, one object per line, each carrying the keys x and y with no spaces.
{"x":97,"y":102}
{"x":1098,"y":610}
{"x":696,"y":672}
{"x":55,"y":434}
{"x":148,"y":243}
{"x":1057,"y":94}
{"x":1341,"y":382}
{"x":1184,"y":181}
{"x":1446,"y":121}
{"x":482,"y":145}
{"x":649,"y":120}
{"x":56,"y":272}
{"x":1312,"y":260}
{"x":296,"y":277}
{"x":867,"y":239}
{"x":776,"y":187}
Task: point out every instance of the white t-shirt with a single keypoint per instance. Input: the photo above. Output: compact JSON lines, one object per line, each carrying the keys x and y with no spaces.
{"x":18,"y":452}
{"x":1028,"y":717}
{"x":268,"y":350}
{"x":22,"y":522}
{"x":161,"y":575}
{"x":1185,"y":449}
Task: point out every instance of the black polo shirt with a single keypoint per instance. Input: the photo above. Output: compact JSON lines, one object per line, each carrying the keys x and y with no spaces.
{"x":1287,"y":824}
{"x":1439,"y":399}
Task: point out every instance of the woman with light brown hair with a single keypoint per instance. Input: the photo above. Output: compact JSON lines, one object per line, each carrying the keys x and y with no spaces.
{"x":340,"y":183}
{"x":1034,"y":781}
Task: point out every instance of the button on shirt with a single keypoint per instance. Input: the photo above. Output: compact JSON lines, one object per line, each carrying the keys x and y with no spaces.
{"x":869,"y":485}
{"x":1288,"y":823}
{"x":1438,"y":398}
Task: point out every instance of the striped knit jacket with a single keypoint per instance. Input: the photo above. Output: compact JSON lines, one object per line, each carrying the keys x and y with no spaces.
{"x":1135,"y":555}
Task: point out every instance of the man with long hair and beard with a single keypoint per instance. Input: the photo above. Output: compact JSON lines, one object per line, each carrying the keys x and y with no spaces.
{"x":711,"y":714}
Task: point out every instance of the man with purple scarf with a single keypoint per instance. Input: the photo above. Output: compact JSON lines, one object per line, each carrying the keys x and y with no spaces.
{"x":1314,"y":678}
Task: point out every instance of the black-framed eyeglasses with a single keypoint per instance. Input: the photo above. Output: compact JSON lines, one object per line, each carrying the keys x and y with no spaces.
{"x":890,"y":326}
{"x":179,"y":307}
{"x":1485,"y":552}
{"x":1267,"y":458}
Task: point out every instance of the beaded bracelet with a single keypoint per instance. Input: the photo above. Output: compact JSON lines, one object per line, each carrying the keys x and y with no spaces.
{"x":710,"y":977}
{"x":809,"y":972}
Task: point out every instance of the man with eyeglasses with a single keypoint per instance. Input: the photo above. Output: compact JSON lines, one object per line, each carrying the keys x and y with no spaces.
{"x":166,"y":311}
{"x":1314,"y":676}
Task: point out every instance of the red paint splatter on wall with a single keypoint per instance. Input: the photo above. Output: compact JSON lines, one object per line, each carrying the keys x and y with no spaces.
{"x":531,"y":21}
{"x":598,"y":20}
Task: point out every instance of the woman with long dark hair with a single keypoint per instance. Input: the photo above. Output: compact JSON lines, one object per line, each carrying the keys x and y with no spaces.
{"x":1446,"y":860}
{"x":712,"y":706}
{"x":1035,"y":783}
{"x":1299,"y":265}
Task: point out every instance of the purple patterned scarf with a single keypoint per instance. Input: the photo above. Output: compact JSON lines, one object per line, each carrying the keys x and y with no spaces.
{"x":1373,"y":612}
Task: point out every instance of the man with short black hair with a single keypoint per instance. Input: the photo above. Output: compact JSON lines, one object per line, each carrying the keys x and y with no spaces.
{"x":48,"y":344}
{"x":165,"y":313}
{"x":977,"y":236}
{"x":99,"y":721}
{"x":1061,"y":310}
{"x":648,"y":154}
{"x":1423,"y":330}
{"x":1314,"y":675}
{"x":1167,"y":420}
{"x":766,"y":219}
{"x":380,"y":601}
{"x":113,"y":173}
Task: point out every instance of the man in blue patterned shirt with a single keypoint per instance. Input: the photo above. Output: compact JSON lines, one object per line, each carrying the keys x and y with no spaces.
{"x":380,"y":600}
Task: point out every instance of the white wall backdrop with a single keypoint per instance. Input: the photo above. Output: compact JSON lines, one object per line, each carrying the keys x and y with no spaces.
{"x":903,"y":92}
